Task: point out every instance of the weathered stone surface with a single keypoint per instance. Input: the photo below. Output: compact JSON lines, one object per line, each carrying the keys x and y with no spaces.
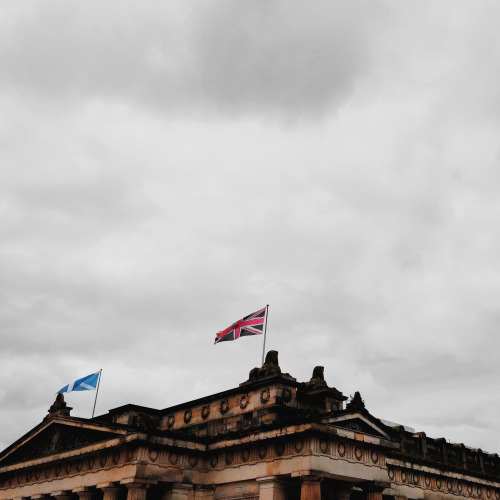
{"x":270,"y":438}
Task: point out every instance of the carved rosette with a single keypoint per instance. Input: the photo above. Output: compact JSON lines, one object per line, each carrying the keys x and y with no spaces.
{"x":299,"y":445}
{"x":286,"y":395}
{"x":224,"y":406}
{"x":323,"y":446}
{"x":188,"y":415}
{"x":170,"y":421}
{"x":244,"y":401}
{"x":265,"y":395}
{"x":279,"y":447}
{"x":205,"y":412}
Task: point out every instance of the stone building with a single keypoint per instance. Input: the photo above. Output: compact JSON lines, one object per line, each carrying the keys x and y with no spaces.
{"x":270,"y":438}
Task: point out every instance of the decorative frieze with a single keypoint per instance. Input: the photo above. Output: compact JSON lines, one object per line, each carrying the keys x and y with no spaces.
{"x":441,"y":483}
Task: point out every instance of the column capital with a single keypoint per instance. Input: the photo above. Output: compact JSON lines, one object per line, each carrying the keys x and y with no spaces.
{"x":182,"y":486}
{"x":135,"y":482}
{"x":101,"y":486}
{"x":308,"y":475}
{"x":268,"y":480}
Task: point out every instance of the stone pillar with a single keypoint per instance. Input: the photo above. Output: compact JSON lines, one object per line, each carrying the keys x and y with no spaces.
{"x":136,"y":491}
{"x":85,"y":493}
{"x":110,"y":491}
{"x":204,"y":492}
{"x":310,"y":488}
{"x":180,"y":491}
{"x":374,"y":489}
{"x":271,"y":488}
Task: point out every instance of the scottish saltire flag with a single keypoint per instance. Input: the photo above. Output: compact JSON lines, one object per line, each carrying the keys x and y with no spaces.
{"x":88,"y":383}
{"x":253,"y":324}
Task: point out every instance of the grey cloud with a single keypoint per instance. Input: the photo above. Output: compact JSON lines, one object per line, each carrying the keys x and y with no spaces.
{"x":266,"y":57}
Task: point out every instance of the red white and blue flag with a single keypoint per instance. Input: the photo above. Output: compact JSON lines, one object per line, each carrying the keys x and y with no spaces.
{"x":253,"y":324}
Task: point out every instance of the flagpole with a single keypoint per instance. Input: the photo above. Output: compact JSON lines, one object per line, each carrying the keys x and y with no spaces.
{"x":97,"y":391}
{"x":265,"y":332}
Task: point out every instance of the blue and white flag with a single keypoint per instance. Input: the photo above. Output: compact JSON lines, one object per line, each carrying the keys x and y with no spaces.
{"x":88,"y":383}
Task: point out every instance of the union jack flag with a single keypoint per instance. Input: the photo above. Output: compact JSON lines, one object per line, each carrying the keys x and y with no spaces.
{"x":253,"y":324}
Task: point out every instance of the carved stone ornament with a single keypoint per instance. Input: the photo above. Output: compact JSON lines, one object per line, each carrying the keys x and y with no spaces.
{"x":245,"y":455}
{"x":427,"y":481}
{"x":224,"y":406}
{"x":439,"y":483}
{"x":229,"y":457}
{"x":59,"y":407}
{"x":449,"y":485}
{"x":403,"y":476}
{"x":213,"y":461}
{"x":244,"y":401}
{"x":170,"y":421}
{"x":415,"y":478}
{"x":173,"y":458}
{"x":103,"y":459}
{"x":286,"y":394}
{"x":374,"y":456}
{"x":390,"y":474}
{"x":299,"y":445}
{"x":90,"y":463}
{"x":187,"y":416}
{"x":356,"y":403}
{"x":358,"y":453}
{"x":341,"y":449}
{"x":115,"y":458}
{"x":262,"y":451}
{"x":270,"y":367}
{"x":153,"y":455}
{"x":205,"y":412}
{"x":317,"y":380}
{"x":279,"y":448}
{"x":192,"y":460}
{"x":265,"y":395}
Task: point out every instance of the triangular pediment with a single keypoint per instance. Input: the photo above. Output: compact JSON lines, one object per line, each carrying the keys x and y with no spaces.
{"x":361,"y":423}
{"x":54,"y":437}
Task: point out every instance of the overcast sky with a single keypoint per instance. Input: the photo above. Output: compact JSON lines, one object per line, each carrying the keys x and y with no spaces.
{"x":169,"y":167}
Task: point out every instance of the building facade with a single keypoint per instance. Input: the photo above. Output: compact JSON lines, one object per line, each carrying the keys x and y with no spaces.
{"x":270,"y":438}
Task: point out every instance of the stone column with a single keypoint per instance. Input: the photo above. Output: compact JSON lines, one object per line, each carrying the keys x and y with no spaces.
{"x":204,"y":492}
{"x":271,"y":488}
{"x":374,"y":489}
{"x":136,"y":491}
{"x":110,"y":491}
{"x":180,"y":491}
{"x":310,"y":488}
{"x":85,"y":493}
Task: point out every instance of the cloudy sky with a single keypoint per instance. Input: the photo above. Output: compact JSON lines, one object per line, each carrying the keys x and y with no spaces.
{"x":169,"y":167}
